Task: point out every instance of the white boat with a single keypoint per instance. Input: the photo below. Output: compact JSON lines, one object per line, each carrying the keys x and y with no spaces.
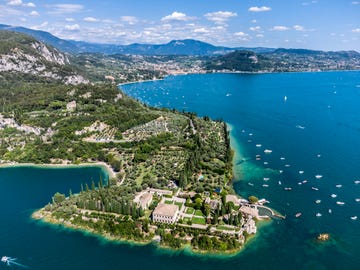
{"x":333,"y":195}
{"x":265,"y":185}
{"x":228,"y":94}
{"x":266,"y":178}
{"x":287,"y":165}
{"x":304,"y":182}
{"x":354,"y":218}
{"x":314,"y":188}
{"x":285,"y":98}
{"x":279,"y":183}
{"x":300,"y":127}
{"x":299,"y":183}
{"x":357,"y":200}
{"x":357,"y":182}
{"x":258,"y":145}
{"x":250,"y":184}
{"x":318,"y":214}
{"x":282,"y":158}
{"x":340,"y":203}
{"x":288,"y":188}
{"x":267,"y":151}
{"x":298,"y":214}
{"x":250,"y":134}
{"x":281,"y":171}
{"x":330,"y":211}
{"x":318,"y":155}
{"x":318,"y":176}
{"x":318,"y":201}
{"x":266,"y":163}
{"x":301,"y":172}
{"x":338,"y":186}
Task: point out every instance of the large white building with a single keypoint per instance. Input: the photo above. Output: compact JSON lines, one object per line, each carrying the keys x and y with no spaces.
{"x":166,"y":213}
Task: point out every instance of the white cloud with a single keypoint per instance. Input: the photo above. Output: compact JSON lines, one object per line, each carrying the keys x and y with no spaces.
{"x":259,"y":35}
{"x":259,"y":9}
{"x":242,"y":36}
{"x":72,"y":27}
{"x":255,"y":28}
{"x":15,"y":3}
{"x":20,"y":3}
{"x":280,"y":28}
{"x":70,"y":19}
{"x":90,"y":19}
{"x":30,"y":4}
{"x":357,"y":30}
{"x":309,"y":3}
{"x":355,"y":3}
{"x":34,"y":13}
{"x":201,"y":30}
{"x":299,"y":28}
{"x":220,"y":17}
{"x":129,"y":19}
{"x":253,"y":21}
{"x":176,"y":16}
{"x":65,"y":8}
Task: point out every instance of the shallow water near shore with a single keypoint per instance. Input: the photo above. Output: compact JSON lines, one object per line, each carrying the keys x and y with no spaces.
{"x":252,"y":104}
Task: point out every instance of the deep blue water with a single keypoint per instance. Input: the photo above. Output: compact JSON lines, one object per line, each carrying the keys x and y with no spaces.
{"x":311,"y":122}
{"x":252,"y":104}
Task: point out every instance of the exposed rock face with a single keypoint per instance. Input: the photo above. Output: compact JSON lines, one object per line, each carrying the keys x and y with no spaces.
{"x":40,"y":60}
{"x":53,"y":56}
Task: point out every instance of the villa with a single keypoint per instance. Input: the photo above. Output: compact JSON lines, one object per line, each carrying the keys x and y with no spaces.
{"x":144,"y":200}
{"x":166,"y":213}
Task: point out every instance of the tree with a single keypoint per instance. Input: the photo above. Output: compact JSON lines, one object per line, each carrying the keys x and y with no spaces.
{"x":58,"y":198}
{"x":253,"y":199}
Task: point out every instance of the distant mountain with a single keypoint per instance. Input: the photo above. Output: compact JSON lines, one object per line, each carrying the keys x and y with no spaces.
{"x":61,"y":44}
{"x":23,"y":55}
{"x":175,"y":47}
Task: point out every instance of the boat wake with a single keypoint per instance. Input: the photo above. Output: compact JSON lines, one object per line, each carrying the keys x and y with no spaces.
{"x":11,"y":261}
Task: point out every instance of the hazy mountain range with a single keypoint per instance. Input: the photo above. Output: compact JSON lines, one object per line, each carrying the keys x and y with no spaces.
{"x":175,"y":47}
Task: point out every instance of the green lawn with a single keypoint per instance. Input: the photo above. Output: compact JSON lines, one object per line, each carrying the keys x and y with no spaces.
{"x":224,"y":228}
{"x":168,"y":202}
{"x":179,"y":204}
{"x":190,"y":210}
{"x":198,"y":213}
{"x":186,"y":220}
{"x":198,"y":220}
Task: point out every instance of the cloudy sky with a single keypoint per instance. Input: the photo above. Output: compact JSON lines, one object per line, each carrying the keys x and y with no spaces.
{"x":312,"y":24}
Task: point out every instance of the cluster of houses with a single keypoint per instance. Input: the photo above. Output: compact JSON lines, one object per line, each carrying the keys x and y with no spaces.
{"x":171,"y":209}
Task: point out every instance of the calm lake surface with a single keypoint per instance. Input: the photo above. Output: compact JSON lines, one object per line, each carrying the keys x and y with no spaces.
{"x":310,"y":122}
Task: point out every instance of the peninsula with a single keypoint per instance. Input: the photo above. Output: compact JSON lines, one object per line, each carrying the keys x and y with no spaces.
{"x":171,"y":171}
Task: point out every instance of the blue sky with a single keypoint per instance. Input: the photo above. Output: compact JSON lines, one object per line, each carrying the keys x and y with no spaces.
{"x":312,"y":24}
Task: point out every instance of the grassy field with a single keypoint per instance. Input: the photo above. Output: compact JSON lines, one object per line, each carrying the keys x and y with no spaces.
{"x":198,"y":213}
{"x":190,"y":210}
{"x":198,"y":220}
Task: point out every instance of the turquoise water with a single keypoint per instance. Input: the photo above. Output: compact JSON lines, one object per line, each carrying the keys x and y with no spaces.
{"x":311,"y":122}
{"x":250,"y":103}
